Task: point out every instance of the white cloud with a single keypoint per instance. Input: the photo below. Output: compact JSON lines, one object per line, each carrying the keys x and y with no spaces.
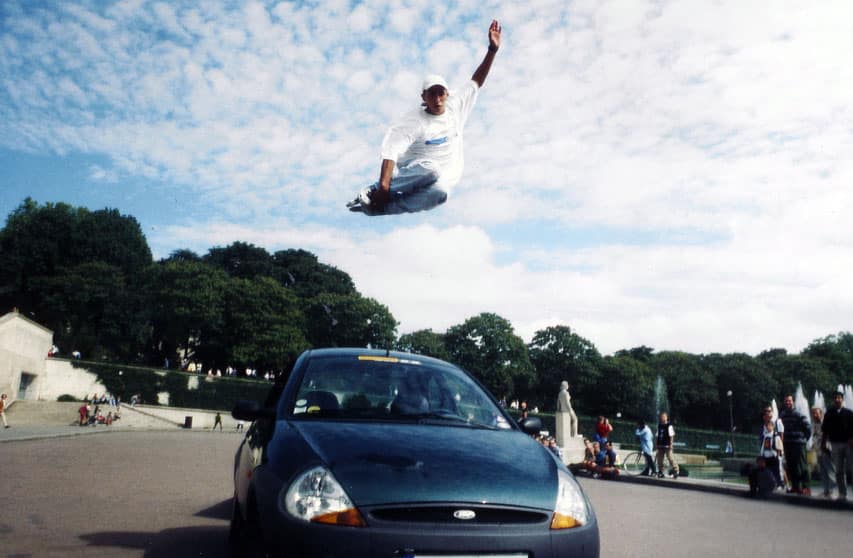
{"x":695,"y":154}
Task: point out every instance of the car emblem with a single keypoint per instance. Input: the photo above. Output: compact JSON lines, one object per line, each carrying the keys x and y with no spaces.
{"x":464,"y":514}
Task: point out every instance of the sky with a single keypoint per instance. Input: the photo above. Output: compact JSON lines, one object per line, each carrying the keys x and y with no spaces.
{"x":674,"y":174}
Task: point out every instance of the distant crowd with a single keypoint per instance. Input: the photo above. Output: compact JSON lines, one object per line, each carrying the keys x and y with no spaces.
{"x":91,"y":412}
{"x":600,"y":457}
{"x":197,"y":368}
{"x":785,"y":442}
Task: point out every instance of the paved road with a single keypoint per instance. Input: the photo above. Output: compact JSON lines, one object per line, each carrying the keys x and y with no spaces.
{"x":117,"y":495}
{"x":155,"y":494}
{"x":643,"y":520}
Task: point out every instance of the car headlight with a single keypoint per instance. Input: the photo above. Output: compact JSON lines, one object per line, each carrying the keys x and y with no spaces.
{"x":316,"y":496}
{"x":571,"y":509}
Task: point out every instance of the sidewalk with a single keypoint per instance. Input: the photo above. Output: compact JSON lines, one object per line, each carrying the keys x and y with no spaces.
{"x":736,"y":489}
{"x":32,"y":420}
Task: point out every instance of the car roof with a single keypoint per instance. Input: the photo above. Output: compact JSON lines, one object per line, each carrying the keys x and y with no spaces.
{"x":355,"y":351}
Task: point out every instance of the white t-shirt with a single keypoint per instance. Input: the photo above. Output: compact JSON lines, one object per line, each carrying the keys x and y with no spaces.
{"x":433,"y":141}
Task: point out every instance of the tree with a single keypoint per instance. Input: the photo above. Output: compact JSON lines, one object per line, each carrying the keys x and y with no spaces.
{"x":35,"y":242}
{"x":835,"y":352}
{"x":183,"y":255}
{"x":641,"y":353}
{"x":262,"y":326}
{"x":423,"y":342}
{"x":39,"y":243}
{"x":804,"y":370}
{"x":751,"y":383}
{"x":299,"y":270}
{"x":627,"y":386}
{"x":186,"y":303}
{"x":487,"y":346}
{"x":335,"y":320}
{"x":107,"y":236}
{"x":92,"y":308}
{"x":242,"y":260}
{"x":557,"y":354}
{"x":691,"y":388}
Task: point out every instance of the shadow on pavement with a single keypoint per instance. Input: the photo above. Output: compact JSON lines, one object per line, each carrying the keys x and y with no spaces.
{"x":222,"y":510}
{"x":205,"y":541}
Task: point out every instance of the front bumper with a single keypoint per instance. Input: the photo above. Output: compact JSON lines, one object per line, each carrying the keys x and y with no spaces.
{"x":396,"y":539}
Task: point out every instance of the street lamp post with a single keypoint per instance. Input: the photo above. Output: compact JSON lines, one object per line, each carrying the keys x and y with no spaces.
{"x":731,"y":423}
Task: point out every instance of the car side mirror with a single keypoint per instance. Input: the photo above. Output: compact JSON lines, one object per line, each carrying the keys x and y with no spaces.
{"x":251,"y":410}
{"x":531,"y":425}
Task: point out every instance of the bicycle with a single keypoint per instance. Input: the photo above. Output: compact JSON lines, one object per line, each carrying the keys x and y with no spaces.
{"x":634,"y":463}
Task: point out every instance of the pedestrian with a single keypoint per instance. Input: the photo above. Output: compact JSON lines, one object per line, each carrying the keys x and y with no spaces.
{"x":837,"y":438}
{"x":422,"y":155}
{"x":603,"y":428}
{"x":824,"y":457}
{"x":217,"y":421}
{"x":770,"y":448}
{"x":646,"y":438}
{"x":3,"y":403}
{"x":797,"y":434}
{"x":552,"y":446}
{"x":83,"y":413}
{"x":762,"y":481}
{"x":665,"y":440}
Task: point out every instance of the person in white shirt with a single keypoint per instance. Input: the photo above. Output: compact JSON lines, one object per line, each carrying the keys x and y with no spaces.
{"x":422,"y":155}
{"x":3,"y":405}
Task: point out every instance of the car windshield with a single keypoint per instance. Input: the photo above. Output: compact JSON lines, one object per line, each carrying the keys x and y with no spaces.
{"x":367,"y":387}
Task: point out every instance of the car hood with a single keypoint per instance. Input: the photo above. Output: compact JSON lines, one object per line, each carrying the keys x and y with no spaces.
{"x":393,"y":463}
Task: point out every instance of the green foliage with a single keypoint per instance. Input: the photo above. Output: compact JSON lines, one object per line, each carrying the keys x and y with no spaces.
{"x":186,"y":302}
{"x":241,"y":260}
{"x":66,"y":398}
{"x":558,"y":354}
{"x":691,"y":388}
{"x":423,"y":342}
{"x":75,"y":271}
{"x":335,"y":320}
{"x":835,"y":353}
{"x":300,"y":271}
{"x":627,"y":386}
{"x":183,"y":390}
{"x":751,"y":382}
{"x":487,"y":346}
{"x":263,"y":325}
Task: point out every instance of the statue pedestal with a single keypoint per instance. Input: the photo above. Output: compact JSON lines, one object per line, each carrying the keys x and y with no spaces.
{"x":563,"y":422}
{"x":573,"y":450}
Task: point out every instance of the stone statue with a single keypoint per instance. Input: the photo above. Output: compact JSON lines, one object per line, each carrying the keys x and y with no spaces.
{"x":566,"y":419}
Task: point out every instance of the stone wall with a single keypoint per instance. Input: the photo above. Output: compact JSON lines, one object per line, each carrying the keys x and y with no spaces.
{"x":24,"y":345}
{"x":201,"y":419}
{"x":62,"y":378}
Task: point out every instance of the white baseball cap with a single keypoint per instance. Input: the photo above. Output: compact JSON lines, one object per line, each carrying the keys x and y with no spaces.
{"x":434,"y":79}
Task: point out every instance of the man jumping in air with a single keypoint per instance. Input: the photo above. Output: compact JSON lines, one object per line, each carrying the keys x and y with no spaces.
{"x":422,"y":154}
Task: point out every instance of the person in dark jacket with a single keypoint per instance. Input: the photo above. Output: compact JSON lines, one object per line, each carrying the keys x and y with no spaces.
{"x":797,"y":434}
{"x":664,"y":441}
{"x":837,"y":438}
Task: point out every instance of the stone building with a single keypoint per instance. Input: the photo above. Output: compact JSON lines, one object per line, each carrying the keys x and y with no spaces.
{"x":24,"y":345}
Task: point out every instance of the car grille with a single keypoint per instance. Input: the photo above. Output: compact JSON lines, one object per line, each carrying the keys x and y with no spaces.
{"x":445,"y":514}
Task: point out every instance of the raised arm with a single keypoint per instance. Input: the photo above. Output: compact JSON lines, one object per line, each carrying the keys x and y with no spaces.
{"x":482,"y":70}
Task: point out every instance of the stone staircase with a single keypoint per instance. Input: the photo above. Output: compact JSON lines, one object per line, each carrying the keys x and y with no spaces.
{"x":43,"y":413}
{"x":55,"y":413}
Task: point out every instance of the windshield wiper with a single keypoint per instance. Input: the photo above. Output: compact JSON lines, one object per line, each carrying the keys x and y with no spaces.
{"x":445,"y":416}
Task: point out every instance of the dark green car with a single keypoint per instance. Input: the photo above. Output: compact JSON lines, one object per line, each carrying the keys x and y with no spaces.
{"x":375,"y":453}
